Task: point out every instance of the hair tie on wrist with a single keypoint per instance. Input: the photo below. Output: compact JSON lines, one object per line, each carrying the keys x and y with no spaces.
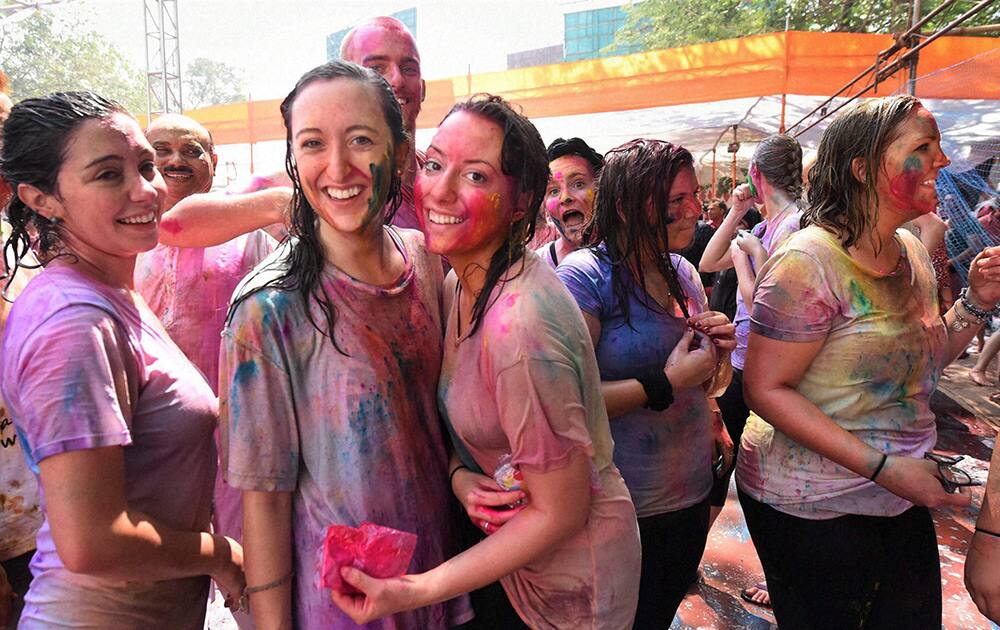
{"x":659,"y":391}
{"x":880,"y":466}
{"x":986,"y":531}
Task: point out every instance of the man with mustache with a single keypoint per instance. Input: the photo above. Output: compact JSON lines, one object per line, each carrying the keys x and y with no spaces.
{"x":569,"y":197}
{"x":188,"y":288}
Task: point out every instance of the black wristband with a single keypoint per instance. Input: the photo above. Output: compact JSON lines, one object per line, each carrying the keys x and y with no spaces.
{"x":986,"y":531}
{"x":659,"y":391}
{"x":880,"y":466}
{"x":451,"y":475}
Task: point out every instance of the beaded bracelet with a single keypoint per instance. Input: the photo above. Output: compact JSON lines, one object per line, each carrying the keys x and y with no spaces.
{"x":973,"y":308}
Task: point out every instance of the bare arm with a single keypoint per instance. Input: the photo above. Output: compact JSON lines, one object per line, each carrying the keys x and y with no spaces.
{"x":745,"y":275}
{"x":558,"y":508}
{"x":984,"y":292}
{"x":214,"y":218}
{"x":96,"y":533}
{"x":716,"y":256}
{"x":982,"y":564}
{"x":267,"y":536}
{"x":772,"y":374}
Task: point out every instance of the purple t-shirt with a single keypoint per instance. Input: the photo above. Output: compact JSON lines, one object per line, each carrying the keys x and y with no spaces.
{"x":87,"y":366}
{"x":664,"y":456}
{"x":770,"y":237}
{"x":353,"y":437}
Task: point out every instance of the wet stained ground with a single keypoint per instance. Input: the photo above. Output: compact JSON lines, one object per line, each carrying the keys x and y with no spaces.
{"x":731,"y":564}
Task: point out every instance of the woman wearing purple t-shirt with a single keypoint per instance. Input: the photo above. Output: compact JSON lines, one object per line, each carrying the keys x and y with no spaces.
{"x":113,"y":418}
{"x":642,"y":307}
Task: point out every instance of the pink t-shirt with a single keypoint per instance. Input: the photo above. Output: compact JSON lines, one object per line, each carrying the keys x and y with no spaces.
{"x":527,"y":383}
{"x":189,"y":288}
{"x":89,"y":366}
{"x":354,"y":437}
{"x":884,"y":348}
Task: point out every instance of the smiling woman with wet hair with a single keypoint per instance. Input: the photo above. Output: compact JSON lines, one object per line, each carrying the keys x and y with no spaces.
{"x":846,"y":346}
{"x":113,"y":417}
{"x":519,"y":384}
{"x":330,"y":362}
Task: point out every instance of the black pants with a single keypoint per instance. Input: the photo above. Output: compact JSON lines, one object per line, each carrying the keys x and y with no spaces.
{"x":864,"y":572}
{"x":19,"y":577}
{"x":672,"y":546}
{"x":734,"y":416}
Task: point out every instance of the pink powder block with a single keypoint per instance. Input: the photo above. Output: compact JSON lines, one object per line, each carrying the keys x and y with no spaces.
{"x":381,"y":552}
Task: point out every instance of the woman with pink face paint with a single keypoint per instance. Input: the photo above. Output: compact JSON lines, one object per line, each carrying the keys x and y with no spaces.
{"x":569,"y":195}
{"x":519,"y":384}
{"x":846,"y":346}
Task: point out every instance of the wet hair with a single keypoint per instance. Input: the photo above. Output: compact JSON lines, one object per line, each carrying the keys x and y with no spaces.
{"x":561,"y":147}
{"x":35,"y":138}
{"x":779,"y":159}
{"x":303,"y":266}
{"x":523,"y":158}
{"x":839,"y":201}
{"x":637,"y":177}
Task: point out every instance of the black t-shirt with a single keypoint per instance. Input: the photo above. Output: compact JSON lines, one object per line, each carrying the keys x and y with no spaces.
{"x":702,"y":235}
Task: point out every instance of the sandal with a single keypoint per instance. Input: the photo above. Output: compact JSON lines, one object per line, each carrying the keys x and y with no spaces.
{"x":751,"y":592}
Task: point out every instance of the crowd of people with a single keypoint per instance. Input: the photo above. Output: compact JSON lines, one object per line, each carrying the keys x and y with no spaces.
{"x":201,"y":383}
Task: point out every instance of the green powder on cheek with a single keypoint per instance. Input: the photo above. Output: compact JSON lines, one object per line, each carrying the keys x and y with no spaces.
{"x":381,"y":178}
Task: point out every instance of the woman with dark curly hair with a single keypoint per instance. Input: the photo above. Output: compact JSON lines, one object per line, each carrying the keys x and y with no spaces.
{"x":519,"y":385}
{"x":648,"y":319}
{"x":846,"y":346}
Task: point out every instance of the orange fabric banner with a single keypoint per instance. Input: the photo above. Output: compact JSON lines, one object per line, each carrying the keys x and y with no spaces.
{"x":806,"y":63}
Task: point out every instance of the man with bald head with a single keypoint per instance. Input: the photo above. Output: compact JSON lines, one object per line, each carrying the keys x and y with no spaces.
{"x":189,"y":288}
{"x":385,"y":45}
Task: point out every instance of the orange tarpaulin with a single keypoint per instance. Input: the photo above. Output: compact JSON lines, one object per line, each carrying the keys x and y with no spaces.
{"x":815,"y":64}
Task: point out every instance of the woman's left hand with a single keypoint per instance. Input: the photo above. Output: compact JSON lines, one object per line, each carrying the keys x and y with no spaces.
{"x":717,"y":326}
{"x":984,"y":278}
{"x":378,"y":598}
{"x":750,"y":244}
{"x":723,"y":441}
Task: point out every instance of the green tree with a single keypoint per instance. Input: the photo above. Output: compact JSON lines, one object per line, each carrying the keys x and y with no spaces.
{"x":658,"y":24}
{"x":208,"y":82}
{"x":46,"y":53}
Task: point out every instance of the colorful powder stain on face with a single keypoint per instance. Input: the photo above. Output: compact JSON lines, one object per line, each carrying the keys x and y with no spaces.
{"x":551,"y":204}
{"x":494,"y":200}
{"x":904,"y":185}
{"x":381,"y":175}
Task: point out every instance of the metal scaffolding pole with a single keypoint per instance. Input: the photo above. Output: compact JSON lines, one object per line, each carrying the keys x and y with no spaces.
{"x":163,"y":58}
